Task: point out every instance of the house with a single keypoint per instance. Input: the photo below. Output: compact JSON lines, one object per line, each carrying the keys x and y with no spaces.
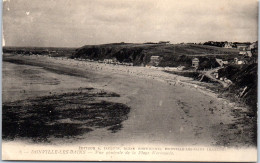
{"x":225,"y":62}
{"x":110,"y":61}
{"x":180,"y":68}
{"x":215,"y":43}
{"x":195,"y":63}
{"x":238,"y":62}
{"x":253,"y":45}
{"x":164,"y":42}
{"x":216,"y":75}
{"x":249,"y":53}
{"x":244,"y":49}
{"x":228,"y":45}
{"x":254,"y":48}
{"x":154,"y":60}
{"x":245,"y":53}
{"x":221,"y":62}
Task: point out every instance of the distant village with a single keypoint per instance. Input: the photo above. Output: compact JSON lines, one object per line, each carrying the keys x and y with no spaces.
{"x":245,"y":49}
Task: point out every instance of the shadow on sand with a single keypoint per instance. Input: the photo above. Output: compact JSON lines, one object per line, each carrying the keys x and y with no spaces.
{"x":67,"y":115}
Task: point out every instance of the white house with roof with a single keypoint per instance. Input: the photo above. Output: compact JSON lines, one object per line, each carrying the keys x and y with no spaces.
{"x":228,"y":45}
{"x":221,"y":62}
{"x":195,"y":63}
{"x":154,"y":60}
{"x":245,"y":49}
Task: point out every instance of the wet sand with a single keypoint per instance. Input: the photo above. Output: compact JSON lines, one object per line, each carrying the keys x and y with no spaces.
{"x":165,"y":108}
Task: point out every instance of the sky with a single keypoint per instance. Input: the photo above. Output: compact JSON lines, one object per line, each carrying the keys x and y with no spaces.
{"x":74,"y":23}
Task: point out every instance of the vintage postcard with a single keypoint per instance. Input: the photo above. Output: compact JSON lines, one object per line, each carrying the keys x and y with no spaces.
{"x":129,"y":80}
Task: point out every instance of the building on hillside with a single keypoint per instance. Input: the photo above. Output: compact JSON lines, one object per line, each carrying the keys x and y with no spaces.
{"x":195,"y":63}
{"x":249,"y":53}
{"x":228,"y":45}
{"x":254,"y":48}
{"x":221,"y":62}
{"x":246,"y":52}
{"x":215,"y":43}
{"x":110,"y":61}
{"x":244,"y":49}
{"x":216,"y":75}
{"x":253,"y":45}
{"x":239,"y":62}
{"x":236,"y":60}
{"x":164,"y":42}
{"x":154,"y":60}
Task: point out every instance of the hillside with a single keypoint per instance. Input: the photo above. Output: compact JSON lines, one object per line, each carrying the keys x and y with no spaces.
{"x":244,"y":80}
{"x":172,"y":54}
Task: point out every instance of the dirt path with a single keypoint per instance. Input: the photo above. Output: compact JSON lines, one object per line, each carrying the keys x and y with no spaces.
{"x":164,"y":109}
{"x":208,"y":74}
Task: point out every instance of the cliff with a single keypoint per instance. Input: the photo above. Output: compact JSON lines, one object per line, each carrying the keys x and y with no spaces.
{"x":139,"y":54}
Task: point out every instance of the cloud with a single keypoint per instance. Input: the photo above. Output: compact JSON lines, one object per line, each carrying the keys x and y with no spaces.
{"x":79,"y":22}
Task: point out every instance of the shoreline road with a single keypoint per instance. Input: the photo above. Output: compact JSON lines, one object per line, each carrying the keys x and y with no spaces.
{"x":163,"y":113}
{"x":209,"y":75}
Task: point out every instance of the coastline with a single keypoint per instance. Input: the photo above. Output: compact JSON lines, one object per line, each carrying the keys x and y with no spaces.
{"x":135,"y":85}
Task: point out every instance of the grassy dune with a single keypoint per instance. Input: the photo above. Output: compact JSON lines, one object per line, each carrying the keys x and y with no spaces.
{"x":139,"y":54}
{"x":172,"y":55}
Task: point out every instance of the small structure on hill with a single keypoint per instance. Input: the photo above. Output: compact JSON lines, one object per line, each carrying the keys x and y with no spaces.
{"x":195,"y":63}
{"x":110,"y":61}
{"x":241,"y":62}
{"x":221,"y":62}
{"x":253,"y":45}
{"x":228,"y":45}
{"x":238,"y":62}
{"x":164,"y":42}
{"x":254,"y":48}
{"x":244,"y":49}
{"x":154,"y":60}
{"x":216,"y":75}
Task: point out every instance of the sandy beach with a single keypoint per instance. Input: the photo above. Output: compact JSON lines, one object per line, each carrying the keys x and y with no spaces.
{"x":164,"y":108}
